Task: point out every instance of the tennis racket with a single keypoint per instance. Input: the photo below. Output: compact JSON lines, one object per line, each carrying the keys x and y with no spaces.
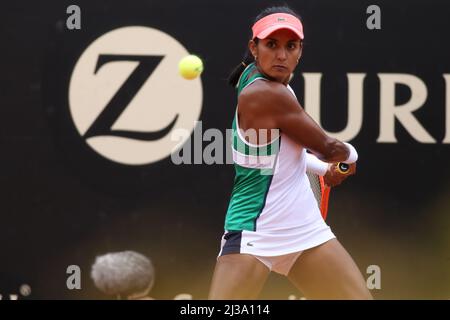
{"x":321,"y":190}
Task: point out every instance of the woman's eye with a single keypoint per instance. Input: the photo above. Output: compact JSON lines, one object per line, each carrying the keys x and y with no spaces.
{"x":270,"y":44}
{"x":292,"y":46}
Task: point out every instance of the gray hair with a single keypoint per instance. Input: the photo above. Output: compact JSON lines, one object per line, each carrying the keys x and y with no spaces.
{"x":123,"y":273}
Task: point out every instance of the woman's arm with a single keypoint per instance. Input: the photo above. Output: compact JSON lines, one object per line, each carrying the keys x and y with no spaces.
{"x":270,"y":105}
{"x":314,"y":165}
{"x":329,"y":172}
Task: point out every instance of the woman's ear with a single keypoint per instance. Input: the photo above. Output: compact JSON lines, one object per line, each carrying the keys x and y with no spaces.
{"x":253,"y":48}
{"x":299,"y":55}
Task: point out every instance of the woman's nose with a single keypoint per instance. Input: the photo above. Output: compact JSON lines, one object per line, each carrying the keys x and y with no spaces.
{"x":281,"y":54}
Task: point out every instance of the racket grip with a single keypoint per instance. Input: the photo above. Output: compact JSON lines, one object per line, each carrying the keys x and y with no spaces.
{"x":343,"y":168}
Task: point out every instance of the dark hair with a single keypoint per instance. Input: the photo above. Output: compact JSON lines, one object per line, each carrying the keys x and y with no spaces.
{"x":233,"y":78}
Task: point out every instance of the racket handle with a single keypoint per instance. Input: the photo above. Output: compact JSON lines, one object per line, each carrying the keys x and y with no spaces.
{"x":343,"y":168}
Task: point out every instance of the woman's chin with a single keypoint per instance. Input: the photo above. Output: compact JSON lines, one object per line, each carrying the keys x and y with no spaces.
{"x":280,"y":76}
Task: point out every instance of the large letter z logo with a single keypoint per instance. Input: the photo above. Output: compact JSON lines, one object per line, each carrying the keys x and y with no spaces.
{"x":103,"y":123}
{"x":127,"y":99}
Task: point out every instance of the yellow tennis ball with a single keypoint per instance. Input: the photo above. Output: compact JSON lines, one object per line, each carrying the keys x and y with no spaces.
{"x":190,"y":67}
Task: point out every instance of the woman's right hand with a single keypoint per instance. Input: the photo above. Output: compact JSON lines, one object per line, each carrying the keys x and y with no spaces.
{"x":334,"y":178}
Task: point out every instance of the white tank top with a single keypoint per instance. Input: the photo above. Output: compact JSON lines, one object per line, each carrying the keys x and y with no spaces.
{"x":271,"y":189}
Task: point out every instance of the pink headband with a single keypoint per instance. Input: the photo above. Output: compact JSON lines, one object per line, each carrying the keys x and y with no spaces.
{"x":273,"y":22}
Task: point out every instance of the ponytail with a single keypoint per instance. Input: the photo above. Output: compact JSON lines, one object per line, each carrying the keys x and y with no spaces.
{"x":234,"y":76}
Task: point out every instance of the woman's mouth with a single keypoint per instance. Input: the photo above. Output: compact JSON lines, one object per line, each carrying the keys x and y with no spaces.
{"x":280,"y":67}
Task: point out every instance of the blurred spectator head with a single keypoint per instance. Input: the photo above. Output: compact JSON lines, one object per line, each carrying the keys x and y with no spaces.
{"x":124,"y":274}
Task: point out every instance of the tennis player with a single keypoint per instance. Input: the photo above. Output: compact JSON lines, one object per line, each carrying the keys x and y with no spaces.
{"x":273,"y":222}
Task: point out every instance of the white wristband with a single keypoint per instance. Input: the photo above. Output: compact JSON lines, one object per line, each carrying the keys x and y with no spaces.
{"x":353,"y":155}
{"x":314,"y":165}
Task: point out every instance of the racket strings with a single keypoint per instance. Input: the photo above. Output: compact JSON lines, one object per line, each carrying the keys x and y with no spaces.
{"x":314,"y":180}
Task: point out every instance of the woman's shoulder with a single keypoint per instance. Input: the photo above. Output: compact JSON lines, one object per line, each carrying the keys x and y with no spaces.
{"x":264,"y":90}
{"x":266,"y":98}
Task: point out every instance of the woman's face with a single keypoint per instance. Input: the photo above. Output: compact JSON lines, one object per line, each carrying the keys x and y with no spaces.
{"x":278,"y":54}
